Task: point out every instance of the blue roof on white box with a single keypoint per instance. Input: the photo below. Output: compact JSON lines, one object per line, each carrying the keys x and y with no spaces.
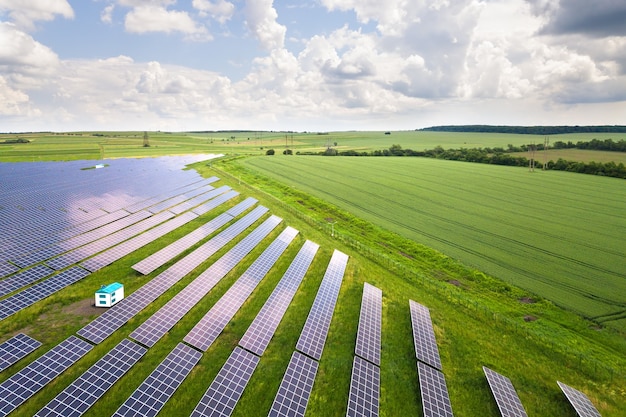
{"x":108,"y":289}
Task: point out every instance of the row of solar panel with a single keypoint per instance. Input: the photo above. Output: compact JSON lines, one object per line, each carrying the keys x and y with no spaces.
{"x":48,"y":234}
{"x":48,"y":244}
{"x":33,"y":294}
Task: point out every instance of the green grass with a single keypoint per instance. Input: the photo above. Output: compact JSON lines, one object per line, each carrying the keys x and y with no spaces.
{"x":103,"y":145}
{"x":555,"y":234}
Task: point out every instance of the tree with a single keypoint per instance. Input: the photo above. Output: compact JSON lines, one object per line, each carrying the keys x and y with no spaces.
{"x":270,"y":152}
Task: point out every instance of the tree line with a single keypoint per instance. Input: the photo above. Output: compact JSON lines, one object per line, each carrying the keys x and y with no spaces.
{"x":495,"y":156}
{"x":528,"y":130}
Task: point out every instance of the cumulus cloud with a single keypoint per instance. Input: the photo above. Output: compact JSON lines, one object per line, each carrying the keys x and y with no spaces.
{"x":143,"y":19}
{"x":25,"y":13}
{"x":13,"y":102}
{"x":261,"y":21}
{"x":220,"y":10}
{"x":106,"y":15}
{"x":19,"y":52}
{"x":598,"y":19}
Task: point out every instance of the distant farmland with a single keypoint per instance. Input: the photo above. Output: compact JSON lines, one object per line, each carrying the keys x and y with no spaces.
{"x":556,"y":234}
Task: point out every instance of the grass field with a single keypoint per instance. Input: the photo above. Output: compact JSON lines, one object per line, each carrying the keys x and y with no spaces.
{"x":103,"y":145}
{"x":479,"y":320}
{"x":555,"y":234}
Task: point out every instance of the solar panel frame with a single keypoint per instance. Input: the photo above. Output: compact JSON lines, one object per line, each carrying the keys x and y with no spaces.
{"x":364,"y":396}
{"x":368,"y":339}
{"x":424,"y":341}
{"x":15,"y":349}
{"x":295,"y":388}
{"x":434,"y":392}
{"x":150,"y":397}
{"x":226,"y":389}
{"x":581,"y":403}
{"x":103,"y":326}
{"x":313,"y":335}
{"x":24,"y":384}
{"x":504,"y":394}
{"x":260,"y":332}
{"x":83,"y":393}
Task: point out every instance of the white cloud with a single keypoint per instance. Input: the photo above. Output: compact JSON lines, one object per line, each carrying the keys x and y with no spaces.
{"x":20,"y":53}
{"x":143,"y":19}
{"x":220,"y":10}
{"x":106,"y":15}
{"x":13,"y":102}
{"x":261,"y":21}
{"x":25,"y":13}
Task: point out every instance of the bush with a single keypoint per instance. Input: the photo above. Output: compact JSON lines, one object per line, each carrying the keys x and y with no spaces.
{"x":270,"y":152}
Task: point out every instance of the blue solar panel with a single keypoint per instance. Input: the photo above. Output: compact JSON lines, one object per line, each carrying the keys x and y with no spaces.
{"x":15,"y":349}
{"x":295,"y":389}
{"x":262,"y":329}
{"x":76,"y":399}
{"x":363,"y":399}
{"x":24,"y":384}
{"x":369,"y":334}
{"x":313,"y":336}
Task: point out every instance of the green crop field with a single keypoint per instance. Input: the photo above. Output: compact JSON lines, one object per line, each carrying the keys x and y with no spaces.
{"x":103,"y":145}
{"x":558,"y":235}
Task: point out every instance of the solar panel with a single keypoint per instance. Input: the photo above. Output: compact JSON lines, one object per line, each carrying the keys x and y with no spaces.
{"x":504,"y":393}
{"x":215,"y":202}
{"x":6,"y":269}
{"x":369,"y":333}
{"x":262,"y":329}
{"x":24,"y":278}
{"x":28,"y":381}
{"x":76,"y":399}
{"x":16,"y":348}
{"x":39,"y":291}
{"x":117,"y":252}
{"x":363,"y":399}
{"x":581,"y":403}
{"x":150,"y":397}
{"x":435,"y":399}
{"x":163,"y":320}
{"x":313,"y":336}
{"x":295,"y":388}
{"x":103,"y":326}
{"x":174,"y":249}
{"x":199,"y":199}
{"x":424,"y":335}
{"x":106,"y":242}
{"x":226,"y":389}
{"x":211,"y":325}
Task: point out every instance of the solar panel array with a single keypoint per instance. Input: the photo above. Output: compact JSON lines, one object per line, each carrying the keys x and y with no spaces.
{"x":581,"y":403}
{"x":364,"y":389}
{"x":106,"y":242}
{"x":7,"y":269}
{"x":435,"y":399}
{"x":505,"y":395}
{"x":16,"y":348}
{"x":213,"y":323}
{"x":313,"y":336}
{"x":103,"y":326}
{"x":368,"y":337}
{"x":150,"y":397}
{"x":24,"y":278}
{"x":201,"y":198}
{"x":164,"y":255}
{"x":210,"y":205}
{"x":39,"y":291}
{"x":424,"y":335}
{"x":24,"y":384}
{"x":117,"y":252}
{"x":226,"y":389}
{"x":295,"y":388}
{"x":260,"y":332}
{"x":76,"y":399}
{"x":163,"y":320}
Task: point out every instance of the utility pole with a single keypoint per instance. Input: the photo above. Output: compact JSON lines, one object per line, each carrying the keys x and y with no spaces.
{"x":531,"y":157}
{"x":546,"y":144}
{"x":146,"y":140}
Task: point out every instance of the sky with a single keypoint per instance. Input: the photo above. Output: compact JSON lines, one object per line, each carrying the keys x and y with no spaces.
{"x":309,"y":65}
